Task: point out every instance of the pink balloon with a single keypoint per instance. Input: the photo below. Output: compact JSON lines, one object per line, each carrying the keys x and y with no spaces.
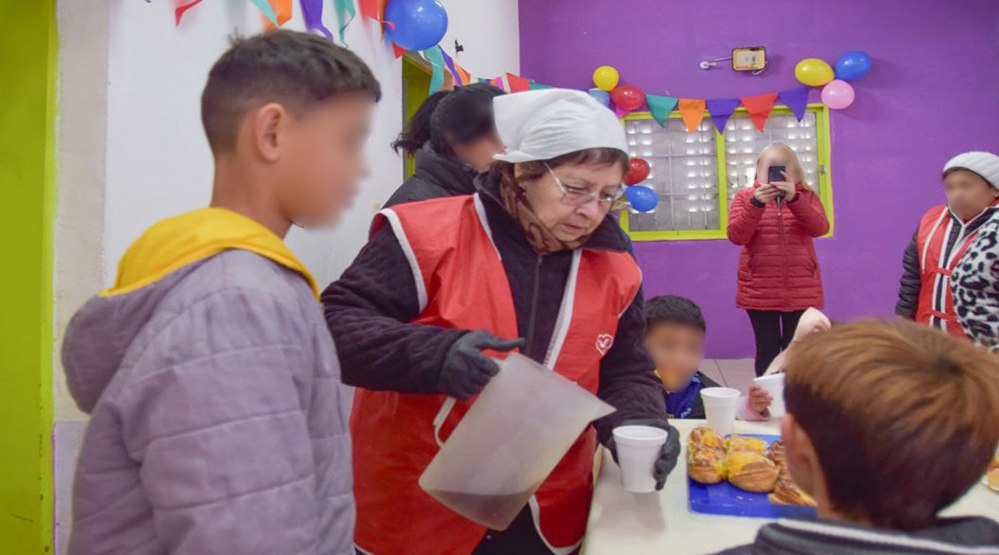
{"x":838,"y":94}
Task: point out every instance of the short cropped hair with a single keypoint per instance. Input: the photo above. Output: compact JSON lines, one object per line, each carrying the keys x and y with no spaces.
{"x":904,"y":418}
{"x":674,"y":310}
{"x":292,"y":68}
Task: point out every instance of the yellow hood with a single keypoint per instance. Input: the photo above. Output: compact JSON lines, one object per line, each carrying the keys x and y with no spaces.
{"x":173,"y":243}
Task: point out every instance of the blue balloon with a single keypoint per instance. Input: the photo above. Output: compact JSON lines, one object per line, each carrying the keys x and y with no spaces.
{"x":416,"y":24}
{"x":642,"y":198}
{"x":853,"y":65}
{"x":601,"y":96}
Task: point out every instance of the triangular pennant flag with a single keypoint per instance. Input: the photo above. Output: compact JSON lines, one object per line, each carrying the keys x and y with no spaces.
{"x":345,"y":13}
{"x":661,"y":106}
{"x":759,"y":107}
{"x":183,"y":7}
{"x":371,"y":9}
{"x":620,"y":112}
{"x":466,"y":78}
{"x":498,"y":82}
{"x":436,"y":59}
{"x":721,"y":109}
{"x":518,"y":83}
{"x":692,"y":112}
{"x":398,"y":51}
{"x":483,"y":80}
{"x":312,"y":11}
{"x":264,"y":7}
{"x":537,"y":86}
{"x":449,"y":62}
{"x":282,"y":8}
{"x":796,"y":100}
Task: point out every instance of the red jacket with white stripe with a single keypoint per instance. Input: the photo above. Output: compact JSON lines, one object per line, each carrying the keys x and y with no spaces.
{"x":778,"y":269}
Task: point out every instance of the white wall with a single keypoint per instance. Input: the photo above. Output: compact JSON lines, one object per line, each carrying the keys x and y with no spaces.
{"x":131,"y":150}
{"x":158,"y":162}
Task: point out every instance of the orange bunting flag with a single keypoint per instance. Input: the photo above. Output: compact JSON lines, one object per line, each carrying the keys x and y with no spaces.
{"x":692,"y":112}
{"x":759,"y":107}
{"x":465,"y":77}
{"x":517,"y":83}
{"x":374,"y":9}
{"x":282,"y":9}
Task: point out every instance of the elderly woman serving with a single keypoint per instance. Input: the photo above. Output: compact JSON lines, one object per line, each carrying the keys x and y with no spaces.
{"x":533,"y":261}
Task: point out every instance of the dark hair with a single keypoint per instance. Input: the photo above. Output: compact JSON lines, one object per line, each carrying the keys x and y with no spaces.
{"x":530,"y":171}
{"x":450,"y":117}
{"x":674,"y":310}
{"x":903,"y":418}
{"x":292,"y":68}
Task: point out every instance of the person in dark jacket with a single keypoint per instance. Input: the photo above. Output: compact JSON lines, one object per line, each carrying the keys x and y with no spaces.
{"x":971,"y":182}
{"x":452,"y":137}
{"x":893,"y":457}
{"x":775,"y":222}
{"x":532,"y":262}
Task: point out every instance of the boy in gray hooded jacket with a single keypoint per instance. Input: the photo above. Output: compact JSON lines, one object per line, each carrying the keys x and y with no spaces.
{"x":218,"y":421}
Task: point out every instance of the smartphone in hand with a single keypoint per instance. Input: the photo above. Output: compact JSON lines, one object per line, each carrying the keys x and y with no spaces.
{"x":775,"y":173}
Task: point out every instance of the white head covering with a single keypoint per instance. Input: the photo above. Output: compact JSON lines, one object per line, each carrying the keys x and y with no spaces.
{"x":546,"y":123}
{"x":984,"y":164}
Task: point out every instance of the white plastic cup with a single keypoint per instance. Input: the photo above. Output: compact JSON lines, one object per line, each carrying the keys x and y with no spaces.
{"x":720,"y":406}
{"x":774,"y":385}
{"x":638,"y":448}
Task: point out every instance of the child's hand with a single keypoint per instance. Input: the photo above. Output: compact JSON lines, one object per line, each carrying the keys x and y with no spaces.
{"x":759,"y":399}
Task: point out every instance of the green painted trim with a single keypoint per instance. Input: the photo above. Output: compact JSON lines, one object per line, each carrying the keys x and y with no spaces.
{"x":821,"y":112}
{"x":27,"y":198}
{"x":416,"y":89}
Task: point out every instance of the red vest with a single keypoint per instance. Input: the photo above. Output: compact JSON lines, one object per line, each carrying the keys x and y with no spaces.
{"x":936,"y":305}
{"x":461,"y":284}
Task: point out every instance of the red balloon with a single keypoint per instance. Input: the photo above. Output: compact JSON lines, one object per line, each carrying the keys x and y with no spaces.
{"x":628,"y":97}
{"x":638,"y":171}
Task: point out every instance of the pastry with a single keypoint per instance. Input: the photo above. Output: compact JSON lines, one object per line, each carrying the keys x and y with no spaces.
{"x":993,"y":473}
{"x":786,"y":492}
{"x":751,"y":471}
{"x":706,"y":437}
{"x":706,"y":465}
{"x":776,"y":454}
{"x":742,"y":443}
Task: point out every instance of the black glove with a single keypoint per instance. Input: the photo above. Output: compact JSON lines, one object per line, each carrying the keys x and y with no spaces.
{"x":466,"y":370}
{"x":667,"y":457}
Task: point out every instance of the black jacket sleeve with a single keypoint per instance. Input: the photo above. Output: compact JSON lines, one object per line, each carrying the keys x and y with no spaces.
{"x":909,"y":285}
{"x":368,"y":310}
{"x":627,"y":379}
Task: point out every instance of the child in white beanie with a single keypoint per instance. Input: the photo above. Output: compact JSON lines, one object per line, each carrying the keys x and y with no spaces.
{"x":944,"y":234}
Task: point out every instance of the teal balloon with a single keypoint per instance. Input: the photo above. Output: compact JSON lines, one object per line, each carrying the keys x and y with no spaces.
{"x":853,"y":65}
{"x":642,"y":198}
{"x":416,"y":24}
{"x":600,"y":96}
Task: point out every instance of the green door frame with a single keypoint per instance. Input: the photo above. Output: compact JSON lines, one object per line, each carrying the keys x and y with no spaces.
{"x":27,"y":201}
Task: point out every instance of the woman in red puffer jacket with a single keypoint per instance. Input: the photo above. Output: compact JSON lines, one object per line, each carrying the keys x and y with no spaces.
{"x":779,"y":276}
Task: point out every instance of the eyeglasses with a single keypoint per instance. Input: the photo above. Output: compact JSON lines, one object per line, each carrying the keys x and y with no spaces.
{"x":574,"y":196}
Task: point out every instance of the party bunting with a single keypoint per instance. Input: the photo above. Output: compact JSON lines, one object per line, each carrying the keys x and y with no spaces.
{"x":661,"y":106}
{"x":692,"y":112}
{"x":182,"y":8}
{"x":538,"y":86}
{"x":721,"y":109}
{"x":398,"y":51}
{"x":312,"y":11}
{"x":759,"y":107}
{"x":796,"y":100}
{"x":435,"y":56}
{"x":461,"y":77}
{"x":345,"y":13}
{"x":620,"y":112}
{"x":282,"y":8}
{"x":265,"y":7}
{"x":372,"y":9}
{"x":517,"y":83}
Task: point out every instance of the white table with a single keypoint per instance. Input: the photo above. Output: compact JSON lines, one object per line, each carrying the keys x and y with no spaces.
{"x":623,"y":523}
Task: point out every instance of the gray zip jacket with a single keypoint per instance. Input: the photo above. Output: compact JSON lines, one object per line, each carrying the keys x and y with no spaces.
{"x":218,"y":420}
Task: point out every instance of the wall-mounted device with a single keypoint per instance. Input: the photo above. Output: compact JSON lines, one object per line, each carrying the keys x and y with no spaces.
{"x":749,"y":58}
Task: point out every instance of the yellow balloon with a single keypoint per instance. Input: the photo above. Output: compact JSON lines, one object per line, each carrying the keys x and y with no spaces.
{"x":814,"y":72}
{"x":606,"y":78}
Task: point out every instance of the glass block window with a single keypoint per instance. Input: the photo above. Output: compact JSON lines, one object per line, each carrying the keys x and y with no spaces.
{"x":684,"y":172}
{"x":697,"y":174}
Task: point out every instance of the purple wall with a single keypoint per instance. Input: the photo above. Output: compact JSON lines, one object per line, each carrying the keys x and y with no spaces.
{"x":933,"y":92}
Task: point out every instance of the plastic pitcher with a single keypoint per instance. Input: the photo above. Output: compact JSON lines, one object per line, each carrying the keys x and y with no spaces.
{"x":520,"y":426}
